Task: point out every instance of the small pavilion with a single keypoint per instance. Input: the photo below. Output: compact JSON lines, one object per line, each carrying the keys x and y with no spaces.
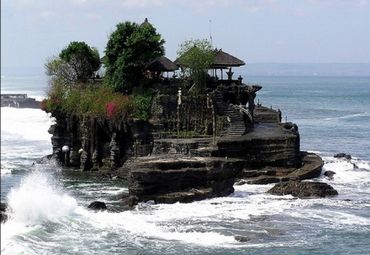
{"x":160,"y":65}
{"x":224,"y":60}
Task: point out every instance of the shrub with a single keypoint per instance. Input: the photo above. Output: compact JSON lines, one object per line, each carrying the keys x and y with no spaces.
{"x":98,"y":102}
{"x":141,"y":106}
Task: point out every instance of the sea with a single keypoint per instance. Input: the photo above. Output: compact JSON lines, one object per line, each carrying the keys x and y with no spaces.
{"x":49,"y":214}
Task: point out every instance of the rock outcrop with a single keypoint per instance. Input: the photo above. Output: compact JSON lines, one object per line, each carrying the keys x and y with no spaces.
{"x":311,"y":165}
{"x":329,"y":174}
{"x":343,"y":155}
{"x":193,"y":147}
{"x":303,"y":189}
{"x":3,"y":215}
{"x":97,"y":206}
{"x":269,"y":144}
{"x":19,"y":101}
{"x":181,"y":179}
{"x":94,"y":144}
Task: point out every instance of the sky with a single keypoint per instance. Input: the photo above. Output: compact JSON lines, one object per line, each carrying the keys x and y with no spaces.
{"x":256,"y":31}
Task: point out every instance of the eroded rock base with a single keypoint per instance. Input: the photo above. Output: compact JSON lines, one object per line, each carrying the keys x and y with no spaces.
{"x":181,"y":179}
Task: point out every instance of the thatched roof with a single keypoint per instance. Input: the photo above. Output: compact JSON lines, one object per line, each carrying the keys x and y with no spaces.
{"x":224,"y":60}
{"x":162,"y":64}
{"x":221,"y":60}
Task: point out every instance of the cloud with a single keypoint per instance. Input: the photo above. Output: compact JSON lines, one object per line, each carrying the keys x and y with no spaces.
{"x":93,"y":16}
{"x":357,"y":3}
{"x":300,"y":13}
{"x":143,"y":3}
{"x":192,"y":5}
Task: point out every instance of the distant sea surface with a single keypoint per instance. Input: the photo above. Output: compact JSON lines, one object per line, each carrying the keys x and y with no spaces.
{"x":49,"y":213}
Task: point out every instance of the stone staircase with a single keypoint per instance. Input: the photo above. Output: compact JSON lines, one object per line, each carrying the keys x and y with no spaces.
{"x":236,"y":116}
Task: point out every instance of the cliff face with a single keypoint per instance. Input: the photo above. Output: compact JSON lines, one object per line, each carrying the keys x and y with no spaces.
{"x":230,"y":138}
{"x":176,"y":178}
{"x":272,"y":144}
{"x":91,"y":144}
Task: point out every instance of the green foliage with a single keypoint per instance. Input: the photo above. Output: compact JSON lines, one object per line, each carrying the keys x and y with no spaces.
{"x":197,"y":57}
{"x":60,"y":71}
{"x":94,"y":101}
{"x":130,"y":47}
{"x":99,"y":102}
{"x":82,"y":58}
{"x":75,"y":64}
{"x":142,"y":104}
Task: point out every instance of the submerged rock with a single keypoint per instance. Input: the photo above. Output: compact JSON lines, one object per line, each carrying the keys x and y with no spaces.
{"x":97,"y":206}
{"x":330,"y":174}
{"x":3,"y":215}
{"x":303,"y":189}
{"x":343,"y":155}
{"x":242,"y":239}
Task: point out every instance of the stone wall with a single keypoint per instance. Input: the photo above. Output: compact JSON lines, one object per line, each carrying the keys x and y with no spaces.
{"x":193,"y":117}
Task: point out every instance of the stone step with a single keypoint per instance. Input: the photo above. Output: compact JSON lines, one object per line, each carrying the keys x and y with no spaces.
{"x":204,"y":152}
{"x":237,"y":130}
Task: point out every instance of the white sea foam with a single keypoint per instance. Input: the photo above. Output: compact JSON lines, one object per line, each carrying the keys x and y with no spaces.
{"x":36,"y":200}
{"x":145,"y":226}
{"x":355,"y":171}
{"x":349,"y":116}
{"x":28,"y":124}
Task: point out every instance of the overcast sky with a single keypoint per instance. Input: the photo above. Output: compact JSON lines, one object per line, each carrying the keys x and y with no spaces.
{"x":254,"y":30}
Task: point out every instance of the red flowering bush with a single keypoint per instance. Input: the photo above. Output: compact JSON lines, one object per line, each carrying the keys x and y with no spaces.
{"x":97,"y":102}
{"x":111,"y":109}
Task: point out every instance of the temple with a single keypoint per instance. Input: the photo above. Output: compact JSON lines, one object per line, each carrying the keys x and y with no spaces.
{"x":194,"y":145}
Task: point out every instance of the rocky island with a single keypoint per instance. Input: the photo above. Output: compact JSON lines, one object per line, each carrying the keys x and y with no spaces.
{"x":175,"y":138}
{"x":19,"y":101}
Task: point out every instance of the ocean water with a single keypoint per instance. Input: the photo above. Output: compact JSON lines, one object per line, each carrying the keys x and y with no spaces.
{"x":48,"y":204}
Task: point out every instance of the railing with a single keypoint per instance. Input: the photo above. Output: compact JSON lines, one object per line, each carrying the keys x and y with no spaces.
{"x":243,"y":110}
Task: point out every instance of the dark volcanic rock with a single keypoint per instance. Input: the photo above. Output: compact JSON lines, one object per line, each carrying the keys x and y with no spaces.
{"x":3,"y":216}
{"x":97,"y":206}
{"x":303,"y":189}
{"x":343,"y":155}
{"x":242,"y":239}
{"x":44,"y":160}
{"x":330,"y":174}
{"x":180,"y":179}
{"x":270,"y":144}
{"x":310,"y":168}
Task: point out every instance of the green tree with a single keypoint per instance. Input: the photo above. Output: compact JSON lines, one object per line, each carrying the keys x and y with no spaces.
{"x":196,"y":57}
{"x":76,"y":63}
{"x":83,"y":59}
{"x":130,"y":47}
